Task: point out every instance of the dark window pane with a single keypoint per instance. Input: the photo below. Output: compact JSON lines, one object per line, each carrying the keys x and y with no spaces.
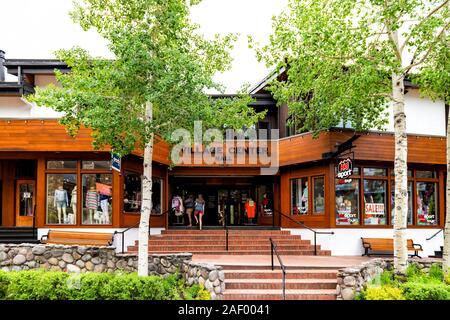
{"x":347,"y":201}
{"x":132,"y":196}
{"x":319,"y":195}
{"x":61,"y":164}
{"x":375,"y":172}
{"x":102,"y":165}
{"x":426,"y":174}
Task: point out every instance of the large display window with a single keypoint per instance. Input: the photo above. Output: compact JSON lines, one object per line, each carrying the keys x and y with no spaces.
{"x":78,"y":192}
{"x":308,"y":195}
{"x":132,"y":195}
{"x":347,"y":202}
{"x":299,"y":196}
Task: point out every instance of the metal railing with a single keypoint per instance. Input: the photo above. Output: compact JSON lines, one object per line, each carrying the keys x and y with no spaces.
{"x":434,"y":235}
{"x":302,"y":224}
{"x":273,"y":248}
{"x":134,"y":226}
{"x":34,"y":223}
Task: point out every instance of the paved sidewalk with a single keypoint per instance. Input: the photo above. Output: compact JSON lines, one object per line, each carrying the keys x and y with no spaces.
{"x":288,"y":260}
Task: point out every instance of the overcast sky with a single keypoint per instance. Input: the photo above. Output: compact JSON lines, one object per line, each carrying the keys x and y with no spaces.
{"x":36,"y":28}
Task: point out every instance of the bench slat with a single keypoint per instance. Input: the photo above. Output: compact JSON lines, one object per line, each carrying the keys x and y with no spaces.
{"x":83,"y":238}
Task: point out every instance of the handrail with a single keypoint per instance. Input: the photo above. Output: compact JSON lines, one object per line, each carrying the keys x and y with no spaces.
{"x":302,"y":224}
{"x":134,"y":226}
{"x":226,"y":230}
{"x":273,"y":248}
{"x":434,"y":235}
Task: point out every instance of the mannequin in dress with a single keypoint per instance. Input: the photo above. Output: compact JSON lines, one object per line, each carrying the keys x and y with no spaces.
{"x":73,"y":204}
{"x":91,"y":202}
{"x":61,"y":201}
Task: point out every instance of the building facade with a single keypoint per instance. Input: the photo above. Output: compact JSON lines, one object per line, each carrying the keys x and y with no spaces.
{"x":341,"y":181}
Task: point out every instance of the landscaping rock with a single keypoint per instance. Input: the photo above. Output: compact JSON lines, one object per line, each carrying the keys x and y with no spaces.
{"x":38,"y":250}
{"x":67,"y":257}
{"x":19,"y":259}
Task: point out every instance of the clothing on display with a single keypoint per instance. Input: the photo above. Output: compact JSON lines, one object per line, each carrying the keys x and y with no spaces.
{"x":250,"y":208}
{"x":177,"y":205}
{"x":61,"y":198}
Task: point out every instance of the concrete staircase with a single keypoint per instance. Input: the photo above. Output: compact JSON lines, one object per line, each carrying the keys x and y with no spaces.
{"x":240,"y":242}
{"x":261,"y":283}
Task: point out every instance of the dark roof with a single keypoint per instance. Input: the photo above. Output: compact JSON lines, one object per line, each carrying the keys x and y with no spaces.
{"x":265,"y":99}
{"x":35,"y":66}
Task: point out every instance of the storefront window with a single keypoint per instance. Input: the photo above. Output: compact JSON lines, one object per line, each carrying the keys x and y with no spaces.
{"x":99,"y":165}
{"x":157,"y":188}
{"x":265,"y":199}
{"x":299,"y":196}
{"x":426,"y":174}
{"x":375,"y":202}
{"x":61,"y":164}
{"x":132,"y":196}
{"x":410,"y":203}
{"x":347,"y":202}
{"x":319,"y":195}
{"x":374,"y":172}
{"x":61,"y":199}
{"x":97,"y":198}
{"x":426,"y":198}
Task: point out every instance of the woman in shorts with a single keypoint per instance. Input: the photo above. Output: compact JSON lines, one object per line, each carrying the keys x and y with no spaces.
{"x":199,"y":208}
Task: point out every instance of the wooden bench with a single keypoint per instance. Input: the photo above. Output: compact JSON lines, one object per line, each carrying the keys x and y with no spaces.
{"x":377,"y":244}
{"x":78,"y":238}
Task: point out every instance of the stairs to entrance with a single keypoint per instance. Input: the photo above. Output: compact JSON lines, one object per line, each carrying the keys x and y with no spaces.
{"x":240,"y":242}
{"x":17,"y":235}
{"x":261,"y":283}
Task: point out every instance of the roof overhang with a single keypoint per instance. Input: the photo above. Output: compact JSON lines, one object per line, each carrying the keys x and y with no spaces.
{"x":35,"y":66}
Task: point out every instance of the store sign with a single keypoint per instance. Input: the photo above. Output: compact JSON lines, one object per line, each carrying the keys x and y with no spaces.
{"x":374,"y":208}
{"x":116,"y":162}
{"x":344,"y":169}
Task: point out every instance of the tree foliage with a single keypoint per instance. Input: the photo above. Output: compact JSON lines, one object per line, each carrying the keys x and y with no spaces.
{"x":159,"y":58}
{"x":340,"y":55}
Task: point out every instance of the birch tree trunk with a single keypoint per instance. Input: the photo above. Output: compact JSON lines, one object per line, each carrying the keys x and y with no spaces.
{"x":146,"y":207}
{"x":401,"y":178}
{"x":446,"y":252}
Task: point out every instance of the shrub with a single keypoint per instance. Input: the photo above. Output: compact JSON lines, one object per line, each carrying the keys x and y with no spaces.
{"x":49,"y":285}
{"x":382,"y":293}
{"x":425,"y":291}
{"x":436,"y":272}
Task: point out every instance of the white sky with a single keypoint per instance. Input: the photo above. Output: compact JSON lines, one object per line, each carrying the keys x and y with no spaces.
{"x":37,"y":28}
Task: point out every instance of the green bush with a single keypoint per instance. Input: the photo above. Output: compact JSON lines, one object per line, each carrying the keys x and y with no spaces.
{"x":50,"y":285}
{"x":382,"y":293}
{"x":425,"y":291}
{"x":436,"y":272}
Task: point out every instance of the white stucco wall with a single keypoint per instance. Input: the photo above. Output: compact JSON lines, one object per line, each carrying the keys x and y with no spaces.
{"x":17,"y":108}
{"x":347,"y":241}
{"x":130,"y":236}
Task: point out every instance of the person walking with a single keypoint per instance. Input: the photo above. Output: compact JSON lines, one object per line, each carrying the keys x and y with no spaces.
{"x":189,"y":205}
{"x":199,"y":208}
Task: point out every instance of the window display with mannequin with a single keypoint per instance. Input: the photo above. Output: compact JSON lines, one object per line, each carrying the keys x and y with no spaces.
{"x":97,"y":198}
{"x":61,"y":199}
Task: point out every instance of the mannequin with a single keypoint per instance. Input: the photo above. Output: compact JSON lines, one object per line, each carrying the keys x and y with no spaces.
{"x":177,"y":208}
{"x":61,"y":201}
{"x":104,"y":204}
{"x":73,"y":204}
{"x":91,"y":202}
{"x":250,"y":208}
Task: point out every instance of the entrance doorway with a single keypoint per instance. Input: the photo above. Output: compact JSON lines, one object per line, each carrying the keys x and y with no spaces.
{"x":25,"y":200}
{"x":227,"y":201}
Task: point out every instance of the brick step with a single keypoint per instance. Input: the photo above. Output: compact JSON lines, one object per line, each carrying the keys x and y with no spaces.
{"x":278,"y":284}
{"x":215,"y":246}
{"x":223,"y":237}
{"x":230,"y":242}
{"x":289,"y":268}
{"x":277,"y":274}
{"x":220,"y":231}
{"x":134,"y":249}
{"x":276,"y":294}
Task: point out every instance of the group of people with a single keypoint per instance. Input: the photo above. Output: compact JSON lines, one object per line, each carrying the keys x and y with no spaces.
{"x":189,"y":205}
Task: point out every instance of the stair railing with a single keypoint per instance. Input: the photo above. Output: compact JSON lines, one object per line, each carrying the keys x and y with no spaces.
{"x":34,"y":222}
{"x":273,"y":248}
{"x":434,"y":235}
{"x":122,"y":233}
{"x":302,"y":224}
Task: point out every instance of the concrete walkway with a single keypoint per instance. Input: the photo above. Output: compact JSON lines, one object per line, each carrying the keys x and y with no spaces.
{"x":288,"y":260}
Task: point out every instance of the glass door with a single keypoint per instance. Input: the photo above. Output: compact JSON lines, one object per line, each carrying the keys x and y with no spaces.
{"x":25,"y":200}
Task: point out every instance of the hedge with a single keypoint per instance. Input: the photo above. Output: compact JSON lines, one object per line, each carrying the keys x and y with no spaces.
{"x":56,"y":285}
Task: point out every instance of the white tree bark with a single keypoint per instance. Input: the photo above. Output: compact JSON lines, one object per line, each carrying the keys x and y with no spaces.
{"x":401,"y":178}
{"x":146,"y":207}
{"x":446,"y":252}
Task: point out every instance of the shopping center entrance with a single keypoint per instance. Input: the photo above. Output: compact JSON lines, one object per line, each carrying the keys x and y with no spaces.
{"x":228,"y":201}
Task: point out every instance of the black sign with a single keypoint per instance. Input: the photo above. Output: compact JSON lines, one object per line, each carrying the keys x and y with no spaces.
{"x":344,"y":169}
{"x":116,"y":162}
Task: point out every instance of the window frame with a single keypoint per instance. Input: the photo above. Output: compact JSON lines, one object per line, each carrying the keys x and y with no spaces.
{"x":309,"y":179}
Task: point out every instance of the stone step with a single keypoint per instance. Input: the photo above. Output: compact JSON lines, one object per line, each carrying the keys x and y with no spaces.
{"x":231,"y":283}
{"x":277,"y":273}
{"x":276,"y":294}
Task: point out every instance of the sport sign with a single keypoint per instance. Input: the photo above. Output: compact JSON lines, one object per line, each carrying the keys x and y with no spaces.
{"x":344,"y":169}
